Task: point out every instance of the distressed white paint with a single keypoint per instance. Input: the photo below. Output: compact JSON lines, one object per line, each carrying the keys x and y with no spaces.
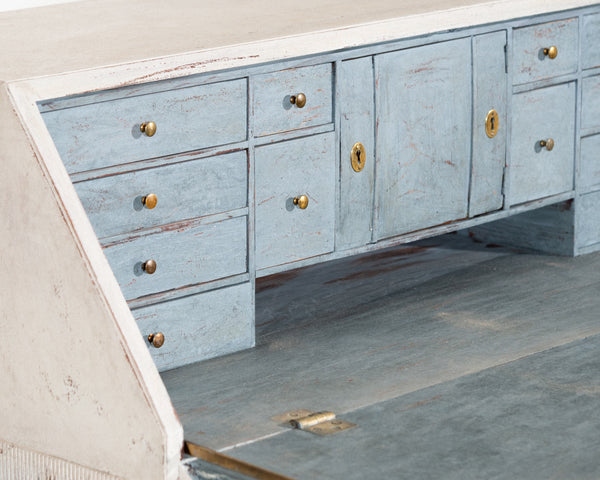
{"x":8,"y":5}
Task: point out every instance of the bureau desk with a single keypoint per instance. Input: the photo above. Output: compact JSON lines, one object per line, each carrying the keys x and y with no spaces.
{"x":157,"y":159}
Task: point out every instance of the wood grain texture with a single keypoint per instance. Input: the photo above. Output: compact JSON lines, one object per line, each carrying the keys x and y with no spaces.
{"x":489,"y":154}
{"x":185,"y":190}
{"x":284,"y":232}
{"x":539,"y":115}
{"x":590,"y":103}
{"x":590,"y":54}
{"x":423,"y":102}
{"x":530,"y":63}
{"x":589,"y":169}
{"x":355,"y":100}
{"x":185,"y":254}
{"x":186,"y":119}
{"x":200,"y":326}
{"x":272,"y":109}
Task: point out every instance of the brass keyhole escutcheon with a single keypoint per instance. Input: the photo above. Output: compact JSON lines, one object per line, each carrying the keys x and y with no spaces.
{"x":358,"y":157}
{"x":491,"y":123}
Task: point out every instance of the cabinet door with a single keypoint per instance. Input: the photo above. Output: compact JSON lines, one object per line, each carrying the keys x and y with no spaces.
{"x":423,"y":103}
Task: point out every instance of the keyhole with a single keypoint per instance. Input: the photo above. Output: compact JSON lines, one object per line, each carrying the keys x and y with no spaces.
{"x":358,"y":156}
{"x":492,"y":122}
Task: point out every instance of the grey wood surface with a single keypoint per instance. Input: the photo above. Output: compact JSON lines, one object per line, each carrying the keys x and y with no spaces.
{"x":530,"y":63}
{"x":590,"y":103}
{"x":272,"y":109}
{"x":368,"y":329}
{"x":589,"y":167}
{"x":590,"y":55}
{"x":423,"y":103}
{"x":489,"y":92}
{"x":587,"y":222}
{"x":539,"y":115}
{"x":108,"y":133}
{"x":355,"y":100}
{"x":200,"y":326}
{"x":283,"y":171}
{"x":534,"y":418}
{"x":184,"y":190}
{"x":185,"y":254}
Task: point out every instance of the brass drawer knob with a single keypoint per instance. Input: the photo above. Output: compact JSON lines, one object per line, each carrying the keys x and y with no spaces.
{"x":298,"y":100}
{"x":149,"y":266}
{"x":551,"y":52}
{"x":549,"y":144}
{"x":150,"y":201}
{"x":301,"y":201}
{"x":149,"y":128}
{"x":157,"y":339}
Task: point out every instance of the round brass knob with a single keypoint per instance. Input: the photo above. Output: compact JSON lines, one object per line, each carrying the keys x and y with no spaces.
{"x":301,"y":201}
{"x":150,"y":201}
{"x":549,"y":144}
{"x":157,"y":339}
{"x":149,"y":266}
{"x":298,"y":100}
{"x":551,"y":52}
{"x":149,"y":128}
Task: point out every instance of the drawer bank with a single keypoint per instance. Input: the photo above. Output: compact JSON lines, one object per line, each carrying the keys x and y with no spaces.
{"x":156,"y":161}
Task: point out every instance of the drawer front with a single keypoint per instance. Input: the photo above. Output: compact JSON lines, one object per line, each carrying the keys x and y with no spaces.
{"x":590,"y":104}
{"x":200,"y":326}
{"x":548,"y":113}
{"x":284,"y":232}
{"x":108,"y":133}
{"x":184,"y":190}
{"x":272,"y":109}
{"x":186,"y":254}
{"x":589,"y":176}
{"x":590,"y":53}
{"x":530,"y":62}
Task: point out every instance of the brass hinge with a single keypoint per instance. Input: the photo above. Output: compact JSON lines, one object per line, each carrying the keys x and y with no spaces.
{"x":319,"y":423}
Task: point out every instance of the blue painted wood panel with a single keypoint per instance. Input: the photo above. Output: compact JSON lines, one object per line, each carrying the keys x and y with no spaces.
{"x":590,"y":53}
{"x":272,"y":109}
{"x":589,"y":169}
{"x":590,"y":103}
{"x":539,"y":115}
{"x":489,"y":92}
{"x":108,"y":133}
{"x":284,"y":232}
{"x":423,"y":103}
{"x":530,"y":63}
{"x":184,"y":190}
{"x":185,"y":254}
{"x":200,"y":326}
{"x":587,"y":220}
{"x":355,"y":100}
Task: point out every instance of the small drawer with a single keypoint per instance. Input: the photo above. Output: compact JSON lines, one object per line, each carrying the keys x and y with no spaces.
{"x":284,"y":171}
{"x":535,"y":46}
{"x":537,"y":171}
{"x":184,"y":190}
{"x":590,"y":53}
{"x":590,"y":103}
{"x":200,"y":326}
{"x":103,"y":134}
{"x":185,"y":254}
{"x":274,"y":92}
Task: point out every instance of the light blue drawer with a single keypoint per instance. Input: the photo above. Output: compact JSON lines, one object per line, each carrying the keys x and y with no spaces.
{"x":184,"y":190}
{"x":99,"y":135}
{"x":284,"y":232}
{"x":590,"y":104}
{"x":273,"y":112}
{"x":529,"y":61}
{"x":185,"y":254}
{"x":590,"y":53}
{"x":535,"y":172}
{"x":200,"y":326}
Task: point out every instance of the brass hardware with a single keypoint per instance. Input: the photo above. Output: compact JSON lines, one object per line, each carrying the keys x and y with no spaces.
{"x":301,"y":201}
{"x":149,"y":266}
{"x":150,"y":201}
{"x":149,"y":128}
{"x":298,"y":100}
{"x":491,"y":123}
{"x":157,"y":339}
{"x":549,"y":144}
{"x":358,"y":157}
{"x":230,"y":463}
{"x":551,"y":52}
{"x":319,"y":423}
